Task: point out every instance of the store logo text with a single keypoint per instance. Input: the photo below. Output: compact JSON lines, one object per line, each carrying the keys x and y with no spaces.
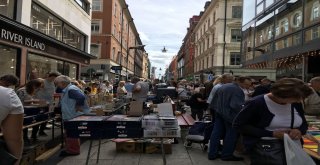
{"x":19,"y":39}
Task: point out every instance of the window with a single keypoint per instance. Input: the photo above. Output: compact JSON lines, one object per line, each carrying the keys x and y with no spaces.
{"x":96,"y":26}
{"x":208,"y":43}
{"x":236,"y":11}
{"x":296,"y":39}
{"x":297,"y":20}
{"x":8,"y":62}
{"x":46,"y":22}
{"x":235,"y":58}
{"x":7,"y":8}
{"x":269,"y":3}
{"x":269,"y":34}
{"x":84,"y":5}
{"x":235,"y":35}
{"x":96,"y":5}
{"x":115,"y":10}
{"x":285,"y":25}
{"x":50,"y":25}
{"x":277,"y":30}
{"x":114,"y":30}
{"x":315,"y":13}
{"x":113,"y":53}
{"x":38,"y":66}
{"x":95,"y":49}
{"x":73,"y":37}
{"x":285,"y":42}
{"x":315,"y":32}
{"x":260,"y":8}
{"x":208,"y":23}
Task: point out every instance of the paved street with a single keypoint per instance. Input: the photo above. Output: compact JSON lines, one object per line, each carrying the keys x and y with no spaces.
{"x":109,"y":156}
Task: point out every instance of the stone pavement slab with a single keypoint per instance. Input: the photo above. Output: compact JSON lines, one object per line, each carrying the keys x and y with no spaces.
{"x":108,"y":156}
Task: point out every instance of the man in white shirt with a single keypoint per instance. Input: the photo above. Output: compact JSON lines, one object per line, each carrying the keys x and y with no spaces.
{"x":11,"y":120}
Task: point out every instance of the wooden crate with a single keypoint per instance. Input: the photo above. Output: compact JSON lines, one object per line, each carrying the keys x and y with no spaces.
{"x":155,"y":148}
{"x":130,"y":147}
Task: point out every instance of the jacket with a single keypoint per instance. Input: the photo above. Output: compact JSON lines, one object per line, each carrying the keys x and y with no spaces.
{"x":255,"y":116}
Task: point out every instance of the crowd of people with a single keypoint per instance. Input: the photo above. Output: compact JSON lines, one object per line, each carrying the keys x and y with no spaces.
{"x":260,"y":112}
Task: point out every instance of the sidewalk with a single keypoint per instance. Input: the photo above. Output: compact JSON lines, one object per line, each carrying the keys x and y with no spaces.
{"x":108,"y":156}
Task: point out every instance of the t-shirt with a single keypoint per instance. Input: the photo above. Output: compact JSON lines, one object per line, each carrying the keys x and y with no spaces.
{"x":9,"y":104}
{"x":282,"y":116}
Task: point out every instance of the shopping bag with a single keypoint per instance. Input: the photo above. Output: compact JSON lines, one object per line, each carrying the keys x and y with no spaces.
{"x":295,"y":155}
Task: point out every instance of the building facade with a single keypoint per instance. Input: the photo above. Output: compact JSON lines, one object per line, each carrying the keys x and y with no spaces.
{"x":282,"y":35}
{"x":189,"y":44}
{"x":173,"y":71}
{"x":113,"y":33}
{"x":38,"y":36}
{"x":145,"y":66}
{"x":218,"y":38}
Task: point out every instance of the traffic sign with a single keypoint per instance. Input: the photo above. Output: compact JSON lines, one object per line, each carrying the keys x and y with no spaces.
{"x":116,"y":67}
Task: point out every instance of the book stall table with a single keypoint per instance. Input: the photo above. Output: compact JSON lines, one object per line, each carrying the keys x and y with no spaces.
{"x":312,"y":138}
{"x":123,"y":126}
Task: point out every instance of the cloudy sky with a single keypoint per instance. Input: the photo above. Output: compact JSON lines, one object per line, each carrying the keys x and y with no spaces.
{"x":163,"y":23}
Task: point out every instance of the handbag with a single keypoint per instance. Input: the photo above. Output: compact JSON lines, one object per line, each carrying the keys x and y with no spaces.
{"x":270,"y":151}
{"x":6,"y":158}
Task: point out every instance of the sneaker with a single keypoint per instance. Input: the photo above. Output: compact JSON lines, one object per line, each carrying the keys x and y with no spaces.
{"x":232,"y":158}
{"x":42,"y":134}
{"x":65,"y":153}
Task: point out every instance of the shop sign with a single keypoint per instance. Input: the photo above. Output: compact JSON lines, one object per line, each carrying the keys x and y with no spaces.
{"x":22,"y":40}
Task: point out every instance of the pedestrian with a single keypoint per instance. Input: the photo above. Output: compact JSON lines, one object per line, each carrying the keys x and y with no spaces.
{"x":265,"y":119}
{"x":11,"y":119}
{"x":73,"y":103}
{"x":198,"y":104}
{"x":312,"y":102}
{"x":263,"y":88}
{"x":9,"y":80}
{"x":27,"y":95}
{"x":121,"y":90}
{"x":227,"y":103}
{"x":140,"y":90}
{"x":46,"y":94}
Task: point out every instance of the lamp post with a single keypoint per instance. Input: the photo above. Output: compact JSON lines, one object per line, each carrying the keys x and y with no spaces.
{"x":139,"y":47}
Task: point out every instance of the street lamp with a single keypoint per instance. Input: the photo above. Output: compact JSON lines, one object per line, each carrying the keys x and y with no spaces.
{"x":139,"y":47}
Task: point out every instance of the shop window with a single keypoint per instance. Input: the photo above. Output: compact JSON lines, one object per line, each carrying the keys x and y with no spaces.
{"x":95,"y":49}
{"x":96,"y":26}
{"x":235,"y":58}
{"x":7,"y":8}
{"x":236,"y":11}
{"x":235,"y":35}
{"x":8,"y":62}
{"x":96,"y":5}
{"x":70,"y":70}
{"x":39,"y":66}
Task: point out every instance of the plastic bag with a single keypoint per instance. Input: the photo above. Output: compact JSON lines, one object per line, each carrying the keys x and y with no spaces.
{"x":295,"y":155}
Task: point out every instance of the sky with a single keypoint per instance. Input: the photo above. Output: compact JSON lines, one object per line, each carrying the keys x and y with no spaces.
{"x":163,"y":23}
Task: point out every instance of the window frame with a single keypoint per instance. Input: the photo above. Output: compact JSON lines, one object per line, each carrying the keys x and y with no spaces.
{"x":100,"y":5}
{"x":238,"y":37}
{"x":99,"y":23}
{"x":234,"y":56}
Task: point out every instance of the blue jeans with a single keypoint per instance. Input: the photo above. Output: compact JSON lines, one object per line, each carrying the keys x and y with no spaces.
{"x":222,"y":128}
